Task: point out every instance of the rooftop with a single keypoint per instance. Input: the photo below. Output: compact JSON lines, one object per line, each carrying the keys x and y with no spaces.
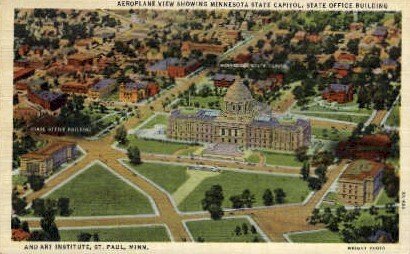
{"x":48,"y":150}
{"x":361,"y":170}
{"x":102,"y":84}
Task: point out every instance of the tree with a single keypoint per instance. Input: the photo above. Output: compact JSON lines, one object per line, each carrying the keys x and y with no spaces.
{"x":134,"y":154}
{"x":267,"y":197}
{"x":18,"y":204}
{"x":121,"y":135}
{"x":15,"y":223}
{"x":48,"y":224}
{"x":96,"y":237}
{"x":237,"y":201}
{"x":84,"y":237}
{"x":238,"y":230}
{"x":215,"y":211}
{"x":301,"y":153}
{"x":213,"y":201}
{"x":279,"y":195}
{"x":314,"y":183}
{"x":391,"y":183}
{"x":245,"y":228}
{"x":305,"y":170}
{"x":248,"y":198}
{"x":36,"y":182}
{"x":38,"y":206}
{"x":253,"y":229}
{"x":63,"y":204}
{"x":25,"y":227}
{"x":321,"y":171}
{"x":315,"y":217}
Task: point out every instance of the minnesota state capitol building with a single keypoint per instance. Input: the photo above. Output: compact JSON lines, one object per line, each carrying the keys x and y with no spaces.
{"x":242,"y":121}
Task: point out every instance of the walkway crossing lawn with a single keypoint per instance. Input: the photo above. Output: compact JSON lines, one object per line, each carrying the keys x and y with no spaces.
{"x":234,"y":183}
{"x":155,"y":146}
{"x":158,"y":119}
{"x":330,"y":134}
{"x":221,"y":230}
{"x":195,"y":178}
{"x":348,"y":117}
{"x":168,"y":176}
{"x":120,"y":234}
{"x":97,"y":192}
{"x":281,"y":159}
{"x":394,"y":117}
{"x":320,"y":236}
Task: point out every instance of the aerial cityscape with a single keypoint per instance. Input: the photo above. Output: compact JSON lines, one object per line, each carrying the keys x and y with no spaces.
{"x":206,"y":126}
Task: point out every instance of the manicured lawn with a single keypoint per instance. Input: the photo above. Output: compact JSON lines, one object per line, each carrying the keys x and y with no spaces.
{"x":384,"y":199}
{"x":234,"y":183}
{"x":169,"y":177}
{"x":341,"y":117}
{"x":121,"y":234}
{"x":322,"y":236}
{"x":253,"y":158}
{"x":96,"y":191}
{"x":330,"y":134}
{"x":221,"y":230}
{"x":204,"y":101}
{"x":281,"y":159}
{"x":155,"y":146}
{"x":158,"y":119}
{"x":394,"y":117}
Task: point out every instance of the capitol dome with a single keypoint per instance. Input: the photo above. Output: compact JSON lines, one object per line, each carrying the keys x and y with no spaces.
{"x":238,"y":92}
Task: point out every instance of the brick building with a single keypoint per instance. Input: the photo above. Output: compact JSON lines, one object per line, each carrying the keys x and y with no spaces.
{"x":360,"y":182}
{"x":80,"y":59}
{"x":339,"y":93}
{"x":374,"y":147}
{"x":182,"y":68}
{"x":102,"y":89}
{"x":26,"y":112}
{"x":20,"y":73}
{"x":223,"y":80}
{"x":136,"y":91}
{"x":341,"y":69}
{"x":47,"y":99}
{"x":74,"y":87}
{"x":206,"y":48}
{"x":45,"y":160}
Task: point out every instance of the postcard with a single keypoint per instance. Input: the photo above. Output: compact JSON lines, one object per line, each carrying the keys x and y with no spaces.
{"x":204,"y":126}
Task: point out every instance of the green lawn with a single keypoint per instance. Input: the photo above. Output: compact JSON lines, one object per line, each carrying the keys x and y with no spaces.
{"x":341,"y":117}
{"x":322,"y":236}
{"x":121,"y":234}
{"x":234,"y":183}
{"x":384,"y":199}
{"x":158,"y":119}
{"x":204,"y":102}
{"x":281,"y":159}
{"x":155,"y":146}
{"x":330,"y":134}
{"x":394,"y":117}
{"x":253,"y":158}
{"x":169,"y":177}
{"x":221,"y":230}
{"x":96,"y":191}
